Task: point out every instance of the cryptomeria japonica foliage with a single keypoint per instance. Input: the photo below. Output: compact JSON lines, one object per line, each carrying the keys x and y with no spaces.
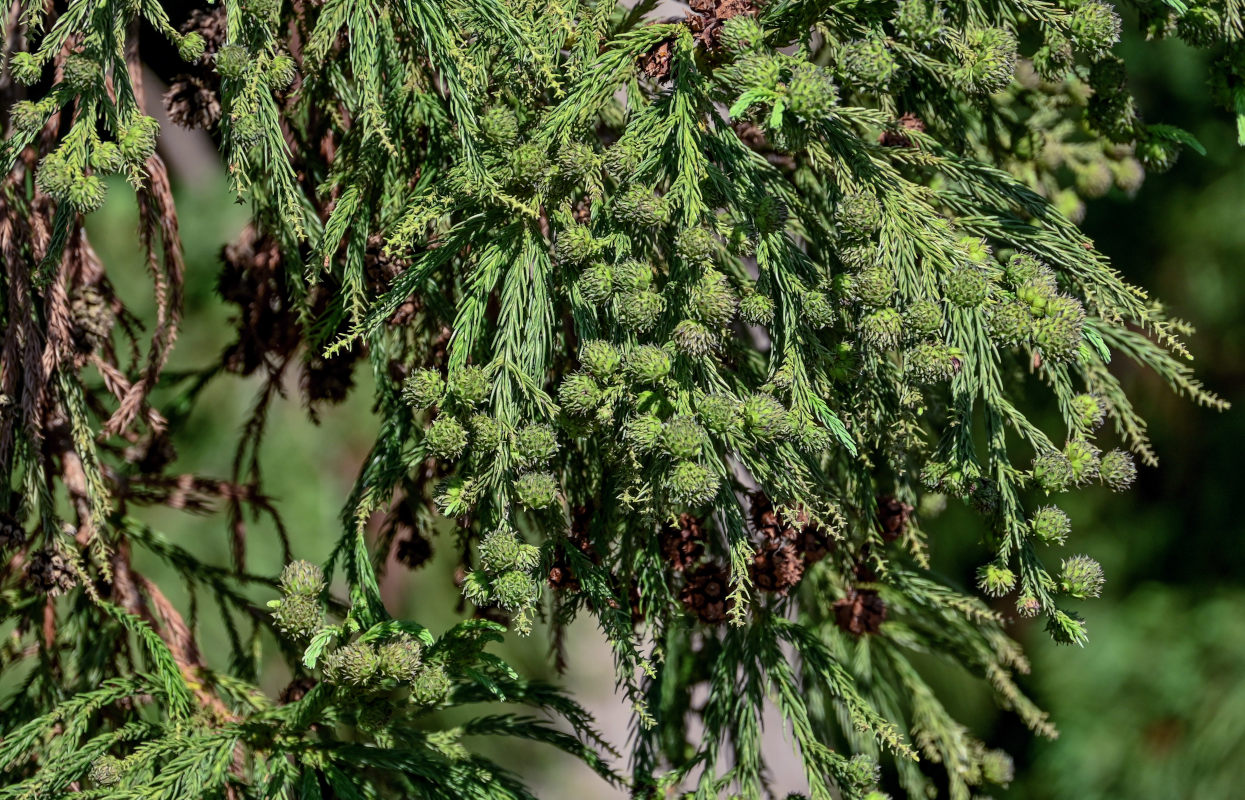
{"x":684,"y":324}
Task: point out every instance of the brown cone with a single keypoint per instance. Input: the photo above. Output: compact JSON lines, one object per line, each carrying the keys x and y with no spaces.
{"x":893,"y":516}
{"x":12,"y":534}
{"x":682,"y":544}
{"x":860,"y":612}
{"x":777,"y":567}
{"x":705,"y":593}
{"x":48,"y":572}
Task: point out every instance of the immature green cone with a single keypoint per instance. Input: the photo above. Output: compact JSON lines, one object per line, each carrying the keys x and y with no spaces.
{"x":639,"y":206}
{"x":692,"y":483}
{"x":399,"y":658}
{"x":431,"y":685}
{"x":693,"y":339}
{"x":858,"y":215}
{"x":1083,"y":458}
{"x":643,"y":432}
{"x":1022,"y":268}
{"x":302,"y":578}
{"x":1117,"y":470}
{"x":25,"y":69}
{"x":811,"y":92}
{"x":579,"y":394}
{"x":501,"y":550}
{"x":920,"y":22}
{"x":536,"y":489}
{"x":81,"y":73}
{"x":1081,"y":576}
{"x":298,"y":616}
{"x":578,"y":161}
{"x":874,"y":287}
{"x":695,"y":245}
{"x":106,"y":157}
{"x":719,"y":413}
{"x":966,"y":286}
{"x":1052,"y":472}
{"x":882,"y":329}
{"x":191,"y":47}
{"x":712,"y":300}
{"x":639,"y":311}
{"x":86,"y":193}
{"x":818,"y":310}
{"x":1058,"y":331}
{"x":233,"y":62}
{"x":486,"y":433}
{"x":756,"y":308}
{"x":352,"y":665}
{"x":930,"y":363}
{"x":499,"y":125}
{"x":446,"y":438}
{"x":988,"y":60}
{"x":602,"y":359}
{"x":1050,"y":525}
{"x":469,"y":385}
{"x":765,"y":417}
{"x":514,"y":590}
{"x":529,"y":166}
{"x":996,"y":580}
{"x":923,"y":317}
{"x":535,"y":445}
{"x":1094,"y":27}
{"x":575,"y":244}
{"x":741,"y":34}
{"x":423,"y":388}
{"x":868,"y":63}
{"x":1011,"y":323}
{"x":647,"y":364}
{"x":683,"y":438}
{"x":107,"y":770}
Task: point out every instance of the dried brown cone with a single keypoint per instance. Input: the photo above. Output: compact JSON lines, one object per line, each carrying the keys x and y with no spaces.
{"x":656,"y":62}
{"x":413,"y":551}
{"x":895,"y":137}
{"x":706,"y":591}
{"x":777,"y":567}
{"x":252,"y":278}
{"x":893,"y":516}
{"x":860,"y":611}
{"x":296,"y":690}
{"x":49,"y":572}
{"x":210,"y":25}
{"x":12,"y":534}
{"x":767,"y":522}
{"x":193,"y":102}
{"x":706,"y":23}
{"x":683,"y":543}
{"x":92,"y":318}
{"x":328,"y":380}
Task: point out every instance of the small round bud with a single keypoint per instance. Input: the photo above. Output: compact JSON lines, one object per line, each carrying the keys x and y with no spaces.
{"x":1088,"y":411}
{"x":720,"y":413}
{"x":513,"y":590}
{"x":190,"y":47}
{"x":987,"y":60}
{"x":25,"y":69}
{"x":56,"y":176}
{"x":469,"y":385}
{"x":756,"y":308}
{"x":499,"y":125}
{"x":399,"y":658}
{"x":107,"y":770}
{"x":28,"y":116}
{"x":536,"y":489}
{"x":639,"y":206}
{"x":693,"y":339}
{"x":995,"y":580}
{"x":281,"y":72}
{"x":1052,"y":472}
{"x":695,"y":245}
{"x":423,"y":388}
{"x":233,"y":61}
{"x":742,"y":34}
{"x":1128,"y":175}
{"x":1028,"y":606}
{"x":578,"y":161}
{"x":575,"y":244}
{"x":1058,"y":331}
{"x":647,"y":364}
{"x":692,"y":483}
{"x":817,"y":309}
{"x":765,"y":417}
{"x":882,"y":329}
{"x":712,"y":301}
{"x":997,"y":767}
{"x":811,"y":92}
{"x":683,"y":438}
{"x":535,"y":445}
{"x":138,"y":139}
{"x":1081,"y":577}
{"x":81,"y":73}
{"x":529,"y":165}
{"x":1083,"y":458}
{"x":485,"y":433}
{"x":446,"y":438}
{"x":298,"y":616}
{"x":868,"y":63}
{"x":431,"y":685}
{"x":644,"y":432}
{"x":86,"y":193}
{"x":639,"y":311}
{"x":1094,"y":27}
{"x":1093,"y":179}
{"x":302,"y":578}
{"x":966,"y":286}
{"x":106,"y":157}
{"x":1117,"y":470}
{"x":600,"y":358}
{"x":931,"y":363}
{"x":579,"y":394}
{"x":353,"y":665}
{"x":858,"y":215}
{"x":923,"y":317}
{"x":1010,"y":324}
{"x":770,"y":215}
{"x":873,"y":287}
{"x":1050,"y":525}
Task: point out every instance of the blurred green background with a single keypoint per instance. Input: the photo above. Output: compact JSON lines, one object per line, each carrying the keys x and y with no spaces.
{"x":1154,"y":707}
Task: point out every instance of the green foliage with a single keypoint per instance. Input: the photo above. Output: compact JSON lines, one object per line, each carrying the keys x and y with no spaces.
{"x":681,"y":320}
